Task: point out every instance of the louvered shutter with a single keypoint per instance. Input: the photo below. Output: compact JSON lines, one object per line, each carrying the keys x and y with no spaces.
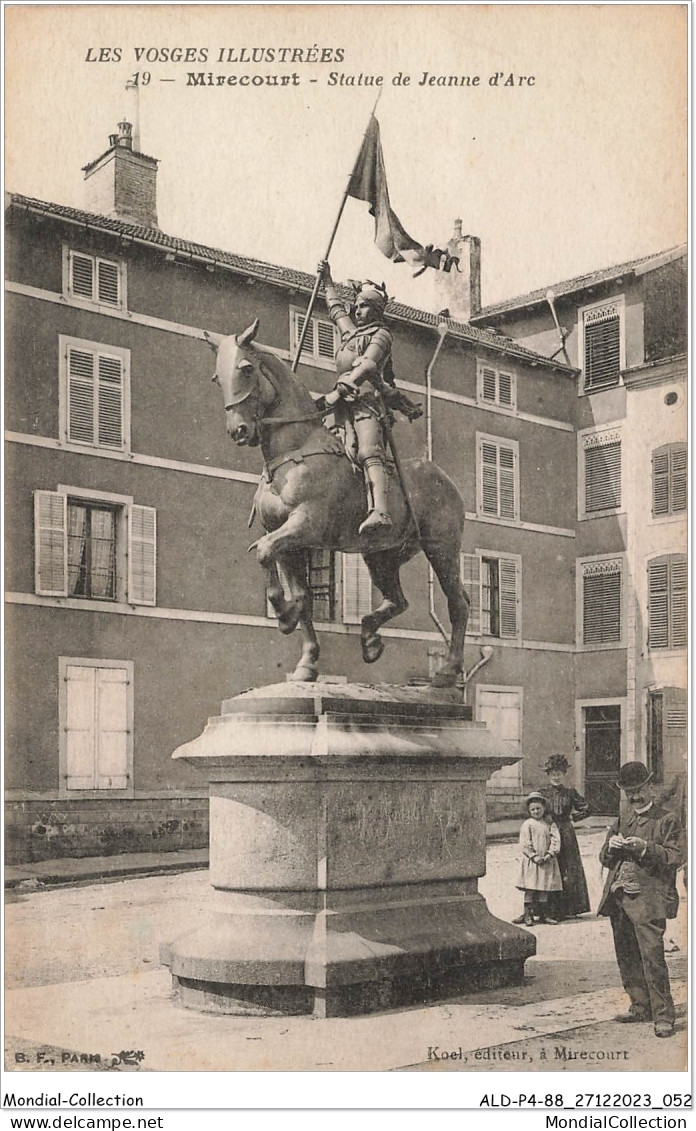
{"x":660,"y":481}
{"x":674,"y":718}
{"x":81,"y":275}
{"x":108,"y":282}
{"x":602,"y":603}
{"x":80,"y":726}
{"x":488,"y":385}
{"x":110,"y":402}
{"x":678,"y":600}
{"x":508,"y":596}
{"x":142,"y":555}
{"x":508,"y":507}
{"x":658,"y":603}
{"x":81,"y":399}
{"x":50,"y":544}
{"x":308,"y":344}
{"x":505,"y":389}
{"x":471,"y":580}
{"x":111,"y":728}
{"x":602,"y":347}
{"x":489,"y":478}
{"x":326,"y":346}
{"x":603,"y":476}
{"x":678,"y":481}
{"x":357,"y":589}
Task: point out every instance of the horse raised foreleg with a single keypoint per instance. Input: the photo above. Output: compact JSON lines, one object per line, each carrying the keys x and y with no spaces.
{"x":384,"y":571}
{"x":271,"y":549}
{"x":293,"y":567}
{"x":445,"y":562}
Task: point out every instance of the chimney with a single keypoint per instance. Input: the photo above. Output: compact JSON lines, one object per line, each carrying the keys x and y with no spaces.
{"x":459,"y":289}
{"x":122,"y":183}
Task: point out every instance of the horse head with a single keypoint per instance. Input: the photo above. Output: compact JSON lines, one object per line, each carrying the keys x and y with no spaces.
{"x":247,"y":391}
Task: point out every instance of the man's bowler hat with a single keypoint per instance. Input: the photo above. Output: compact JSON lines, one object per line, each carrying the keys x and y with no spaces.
{"x":632,"y":775}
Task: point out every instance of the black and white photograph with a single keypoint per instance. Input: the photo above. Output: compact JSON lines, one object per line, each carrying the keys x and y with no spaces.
{"x":346,"y":593}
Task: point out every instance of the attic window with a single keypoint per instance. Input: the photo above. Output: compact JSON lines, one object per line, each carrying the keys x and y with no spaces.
{"x":91,"y":279}
{"x":603,"y":346}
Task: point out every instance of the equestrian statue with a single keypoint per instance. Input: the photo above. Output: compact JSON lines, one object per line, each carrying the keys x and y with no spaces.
{"x":341,"y":488}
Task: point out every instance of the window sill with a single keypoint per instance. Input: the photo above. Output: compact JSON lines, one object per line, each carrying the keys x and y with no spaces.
{"x":668,"y":653}
{"x":93,"y":304}
{"x":94,"y":794}
{"x":313,"y":362}
{"x":669,"y":519}
{"x":588,"y":392}
{"x":618,"y":646}
{"x":505,"y":409}
{"x":88,"y":449}
{"x":586,"y":516}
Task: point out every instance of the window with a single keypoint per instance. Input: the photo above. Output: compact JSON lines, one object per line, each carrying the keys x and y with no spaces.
{"x":669,"y":479}
{"x":498,"y":481}
{"x":667,"y":731}
{"x":601,"y":605}
{"x":96,"y":725}
{"x":357,"y":588}
{"x":602,"y":344}
{"x":320,"y":341}
{"x":94,"y":390}
{"x":93,"y":279}
{"x":100,"y":548}
{"x":321,"y":575}
{"x":667,"y":602}
{"x":493,"y":582}
{"x":496,"y":386}
{"x":601,"y":455}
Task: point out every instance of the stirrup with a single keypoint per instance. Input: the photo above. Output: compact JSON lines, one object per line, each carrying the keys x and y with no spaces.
{"x":374,"y":520}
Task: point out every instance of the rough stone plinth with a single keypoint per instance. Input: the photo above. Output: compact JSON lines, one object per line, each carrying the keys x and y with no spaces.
{"x":347,"y":835}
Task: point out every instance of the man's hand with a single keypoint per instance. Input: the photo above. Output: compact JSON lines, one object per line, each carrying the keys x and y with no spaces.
{"x":635,"y":845}
{"x":616,"y":842}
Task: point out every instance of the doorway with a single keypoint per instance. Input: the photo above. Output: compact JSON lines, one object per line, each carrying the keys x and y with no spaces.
{"x":601,"y":725}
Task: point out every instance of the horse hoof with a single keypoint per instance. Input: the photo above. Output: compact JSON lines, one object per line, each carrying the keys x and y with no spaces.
{"x":444,"y":679}
{"x":305,"y":675}
{"x":372,"y":648}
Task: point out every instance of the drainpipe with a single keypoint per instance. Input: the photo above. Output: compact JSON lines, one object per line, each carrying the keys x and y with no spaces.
{"x":486,"y":653}
{"x":442,"y":329}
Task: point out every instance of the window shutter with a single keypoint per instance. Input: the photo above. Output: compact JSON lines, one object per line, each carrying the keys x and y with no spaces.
{"x":602,"y":347}
{"x":110,"y":402}
{"x":675,"y":716}
{"x":488,"y":385}
{"x":50,"y":544}
{"x":81,"y":424}
{"x":471,"y":580}
{"x":108,"y":282}
{"x":658,"y":603}
{"x":678,"y":485}
{"x":602,"y":603}
{"x":507,"y":482}
{"x":80,"y":726}
{"x":326,"y":346}
{"x":489,"y":478}
{"x":81,"y":275}
{"x":308,"y":344}
{"x":508,"y":586}
{"x":603,"y":476}
{"x":142,"y":555}
{"x":660,"y":482}
{"x":357,"y":589}
{"x":111,"y":726}
{"x":505,"y":389}
{"x":678,"y":601}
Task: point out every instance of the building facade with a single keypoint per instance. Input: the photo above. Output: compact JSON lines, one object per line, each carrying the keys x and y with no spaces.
{"x":133,"y":607}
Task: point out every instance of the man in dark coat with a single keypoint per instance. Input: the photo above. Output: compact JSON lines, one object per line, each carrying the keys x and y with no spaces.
{"x":643,"y":850}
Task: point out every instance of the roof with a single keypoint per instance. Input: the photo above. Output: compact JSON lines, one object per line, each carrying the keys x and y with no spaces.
{"x":583,"y":282}
{"x":282,"y":276}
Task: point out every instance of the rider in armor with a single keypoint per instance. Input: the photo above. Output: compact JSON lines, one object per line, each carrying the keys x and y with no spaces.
{"x":364,"y":387}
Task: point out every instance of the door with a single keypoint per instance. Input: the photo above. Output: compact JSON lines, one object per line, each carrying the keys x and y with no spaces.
{"x":501,"y":710}
{"x":602,"y":734}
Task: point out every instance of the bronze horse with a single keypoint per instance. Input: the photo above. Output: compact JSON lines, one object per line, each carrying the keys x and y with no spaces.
{"x":311,"y":497}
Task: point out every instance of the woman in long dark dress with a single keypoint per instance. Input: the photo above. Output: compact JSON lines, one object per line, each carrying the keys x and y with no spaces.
{"x":566,"y":806}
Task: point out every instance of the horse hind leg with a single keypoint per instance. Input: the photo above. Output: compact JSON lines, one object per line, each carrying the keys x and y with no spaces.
{"x":384,"y":571}
{"x":445,"y":562}
{"x":294,"y":569}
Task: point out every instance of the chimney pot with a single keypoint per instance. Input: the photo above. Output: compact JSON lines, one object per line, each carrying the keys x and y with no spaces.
{"x":125,"y":135}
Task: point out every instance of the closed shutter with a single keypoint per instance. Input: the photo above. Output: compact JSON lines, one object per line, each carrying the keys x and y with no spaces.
{"x":142,"y":555}
{"x":509,"y":597}
{"x":326,"y":346}
{"x":111,"y":728}
{"x":308,"y":344}
{"x":602,"y":603}
{"x":108,"y":282}
{"x":81,"y":425}
{"x":679,"y":601}
{"x":489,"y":478}
{"x":95,"y":398}
{"x":675,"y":717}
{"x":603,"y":476}
{"x":602,"y":347}
{"x":110,"y":402}
{"x":668,"y":602}
{"x":505,"y":389}
{"x":498,"y":479}
{"x":80,"y":726}
{"x":508,"y":507}
{"x":81,"y":275}
{"x":678,"y":474}
{"x":488,"y":385}
{"x":471,"y":580}
{"x":660,"y":482}
{"x":50,"y":544}
{"x":357,"y":589}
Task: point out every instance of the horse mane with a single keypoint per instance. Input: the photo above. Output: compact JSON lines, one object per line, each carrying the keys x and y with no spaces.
{"x":281,"y":371}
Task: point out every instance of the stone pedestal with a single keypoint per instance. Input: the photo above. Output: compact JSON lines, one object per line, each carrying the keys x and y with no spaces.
{"x":347,"y":835}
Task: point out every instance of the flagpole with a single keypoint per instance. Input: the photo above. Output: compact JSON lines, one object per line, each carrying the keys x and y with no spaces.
{"x":317,"y":281}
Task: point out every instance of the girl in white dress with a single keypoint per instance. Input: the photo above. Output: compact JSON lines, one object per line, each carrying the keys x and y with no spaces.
{"x":540,"y":843}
